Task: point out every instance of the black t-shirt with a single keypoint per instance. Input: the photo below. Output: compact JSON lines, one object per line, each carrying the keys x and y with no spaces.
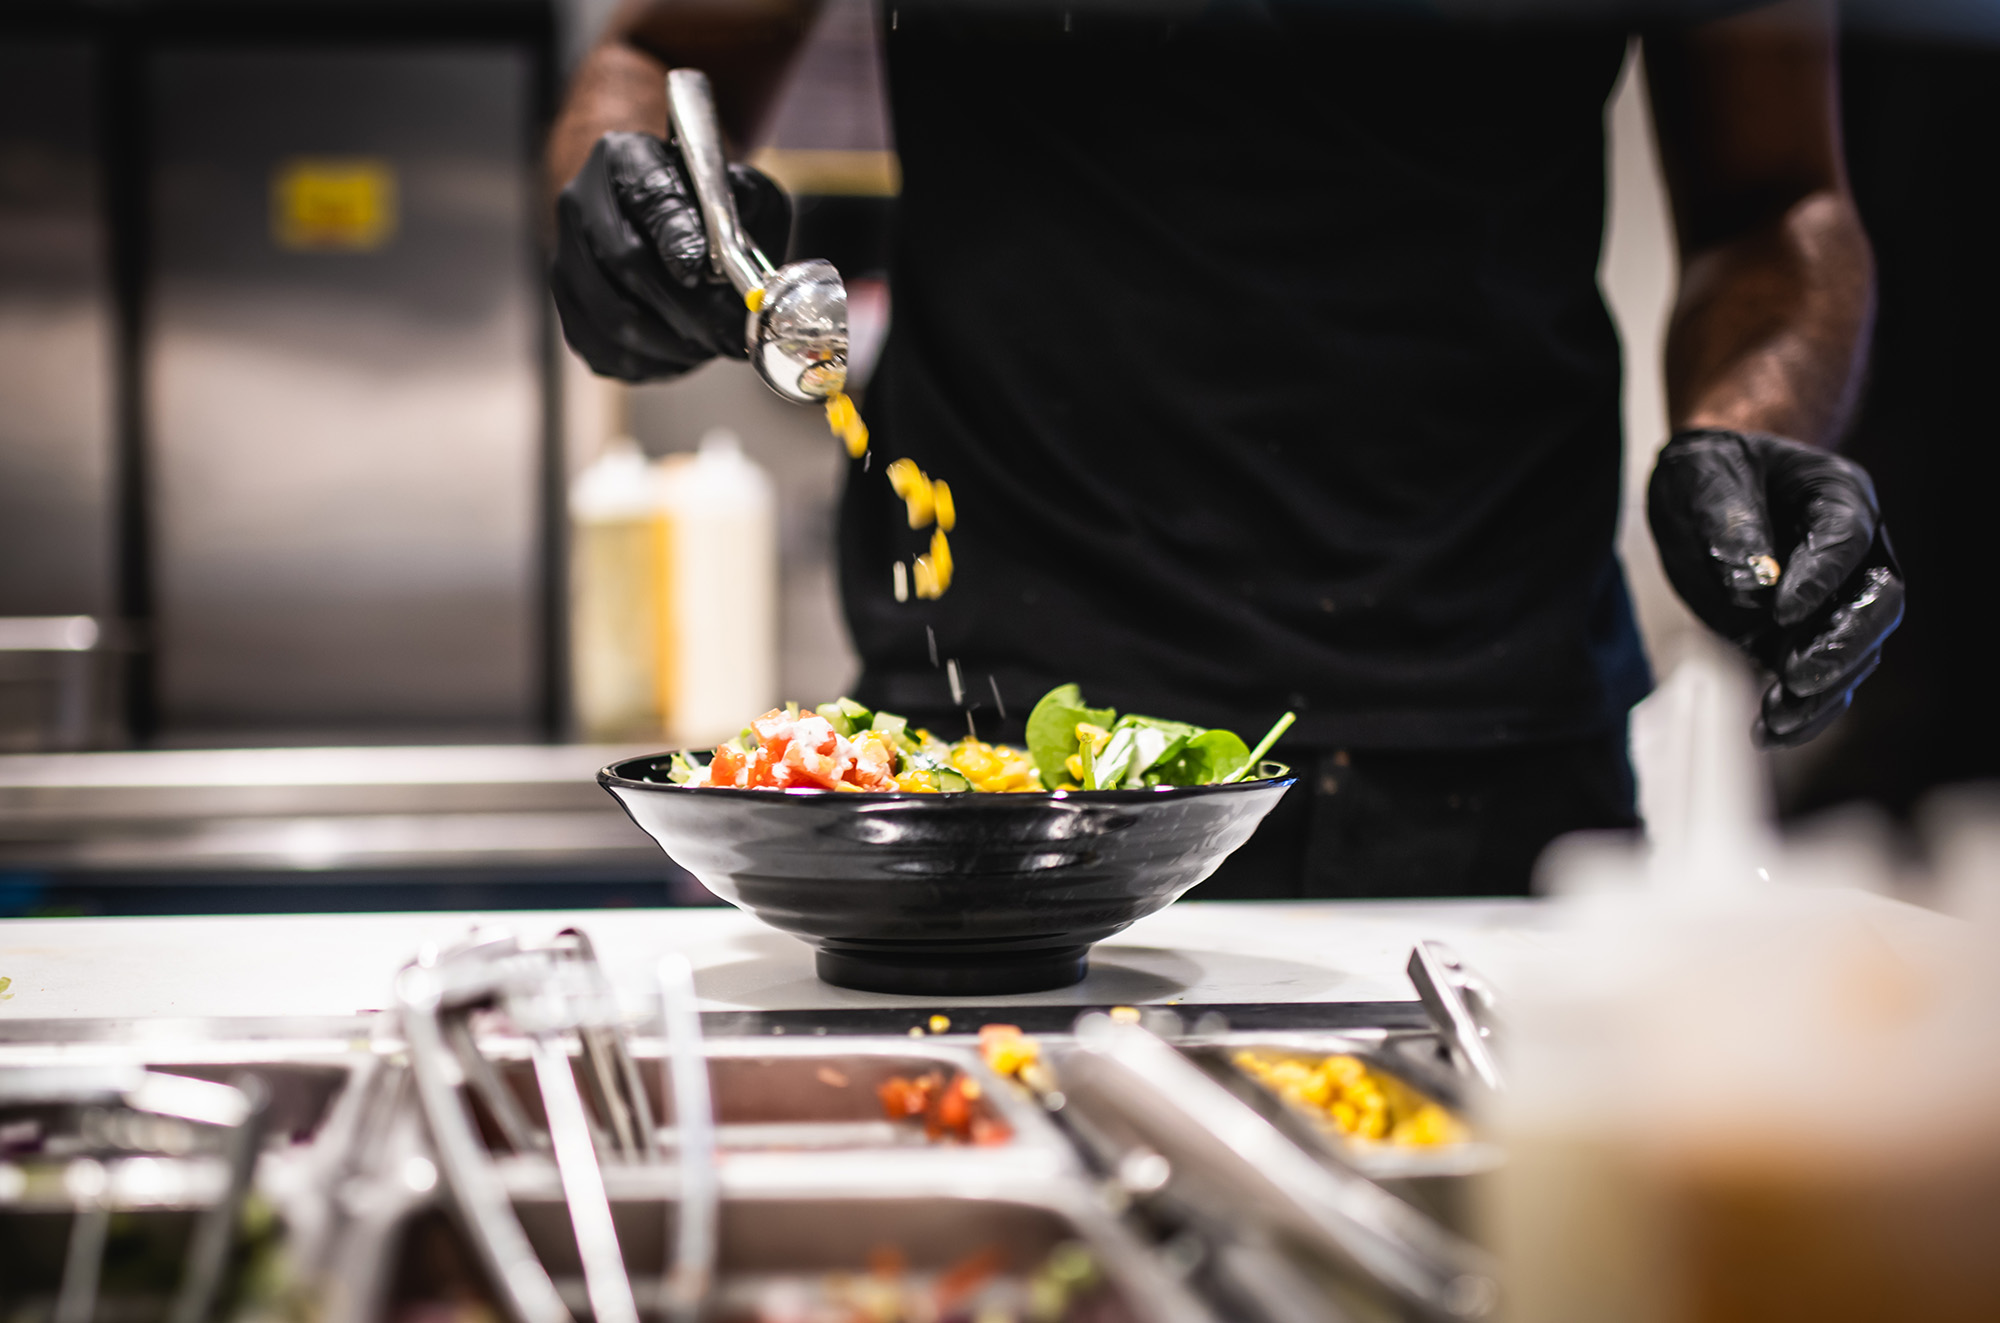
{"x":1263,"y":351}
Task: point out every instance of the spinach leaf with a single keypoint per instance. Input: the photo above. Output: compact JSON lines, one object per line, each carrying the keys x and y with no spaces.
{"x":1052,"y":731}
{"x":1137,"y":745}
{"x":1203,"y":760}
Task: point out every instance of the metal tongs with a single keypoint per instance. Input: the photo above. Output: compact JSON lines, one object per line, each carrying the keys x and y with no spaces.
{"x":1461,"y":1004}
{"x":551,"y":995}
{"x":796,"y":332}
{"x":133,"y":1125}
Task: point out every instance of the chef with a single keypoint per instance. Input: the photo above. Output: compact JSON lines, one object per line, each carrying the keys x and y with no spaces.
{"x":1261,"y":343}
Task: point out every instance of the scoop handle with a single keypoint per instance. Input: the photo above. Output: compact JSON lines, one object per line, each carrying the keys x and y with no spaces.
{"x":691,"y":112}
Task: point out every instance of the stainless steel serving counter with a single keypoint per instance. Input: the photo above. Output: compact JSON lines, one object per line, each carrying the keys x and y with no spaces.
{"x":166,"y":1068}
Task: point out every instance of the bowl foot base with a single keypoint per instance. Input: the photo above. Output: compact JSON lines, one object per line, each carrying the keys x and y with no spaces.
{"x":941,"y":974}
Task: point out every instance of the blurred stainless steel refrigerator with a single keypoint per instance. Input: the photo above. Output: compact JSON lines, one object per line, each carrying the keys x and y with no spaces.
{"x":58,"y":429}
{"x":332,"y":462}
{"x":346,"y":428}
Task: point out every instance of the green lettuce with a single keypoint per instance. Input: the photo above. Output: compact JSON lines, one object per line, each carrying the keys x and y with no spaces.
{"x":1141,"y":751}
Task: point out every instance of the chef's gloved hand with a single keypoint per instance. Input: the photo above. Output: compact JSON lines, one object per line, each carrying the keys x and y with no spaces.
{"x":631,"y":279}
{"x":1780,"y":548}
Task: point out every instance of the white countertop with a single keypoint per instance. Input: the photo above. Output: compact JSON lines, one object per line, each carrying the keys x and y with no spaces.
{"x":1192,"y":953}
{"x":312,"y":965}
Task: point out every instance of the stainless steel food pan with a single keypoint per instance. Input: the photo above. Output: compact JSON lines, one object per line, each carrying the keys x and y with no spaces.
{"x":1161,"y":1123}
{"x":1410,"y":1056}
{"x":786,"y":1242}
{"x":815,"y":1094}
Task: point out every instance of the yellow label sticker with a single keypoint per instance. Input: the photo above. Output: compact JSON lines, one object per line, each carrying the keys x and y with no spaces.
{"x":333,"y":204}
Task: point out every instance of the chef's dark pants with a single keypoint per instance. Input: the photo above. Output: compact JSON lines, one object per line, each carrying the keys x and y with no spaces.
{"x":1432,"y":822}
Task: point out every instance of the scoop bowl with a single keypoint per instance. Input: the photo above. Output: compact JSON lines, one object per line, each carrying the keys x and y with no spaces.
{"x":971,"y":894}
{"x":798,"y":335}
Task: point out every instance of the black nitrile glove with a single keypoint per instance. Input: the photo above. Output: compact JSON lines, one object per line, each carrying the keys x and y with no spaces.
{"x":631,"y":277}
{"x":1780,"y":548}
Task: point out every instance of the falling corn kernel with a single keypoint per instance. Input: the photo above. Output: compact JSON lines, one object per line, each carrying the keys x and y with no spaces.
{"x":928,"y":501}
{"x":754,"y":299}
{"x":845,"y":421}
{"x":902,"y":581}
{"x":909,"y":482}
{"x":1125,"y":1015}
{"x":941,"y":558}
{"x":940,"y":1023}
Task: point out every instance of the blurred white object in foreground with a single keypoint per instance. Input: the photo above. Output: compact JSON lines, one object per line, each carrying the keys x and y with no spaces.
{"x":1743,"y":1086}
{"x":1701,"y":789}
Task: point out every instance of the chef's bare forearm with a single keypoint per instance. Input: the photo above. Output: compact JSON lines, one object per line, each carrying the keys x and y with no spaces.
{"x":745,"y":47}
{"x":1770,"y":328}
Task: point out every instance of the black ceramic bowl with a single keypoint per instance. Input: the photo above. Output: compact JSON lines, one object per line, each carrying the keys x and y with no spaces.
{"x":939,"y":895}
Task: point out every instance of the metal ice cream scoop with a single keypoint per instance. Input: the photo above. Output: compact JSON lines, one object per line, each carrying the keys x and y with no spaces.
{"x":796,"y":330}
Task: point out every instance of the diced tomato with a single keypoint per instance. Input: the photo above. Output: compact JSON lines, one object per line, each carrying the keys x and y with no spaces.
{"x":953,"y":1114}
{"x":991,"y":1036}
{"x":874,"y":765}
{"x":724,"y":767}
{"x":904,"y":1098}
{"x":811,"y":767}
{"x":864,"y":777}
{"x":771,"y":733}
{"x":763,"y":769}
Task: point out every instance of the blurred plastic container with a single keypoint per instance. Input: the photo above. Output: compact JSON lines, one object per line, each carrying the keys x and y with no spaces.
{"x":674,"y":593}
{"x":1743,"y":1086}
{"x":617,"y":598}
{"x":719,"y":653}
{"x":1778,"y":1104}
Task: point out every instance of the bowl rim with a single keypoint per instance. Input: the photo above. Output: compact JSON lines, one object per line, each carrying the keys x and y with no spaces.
{"x":612,"y":776}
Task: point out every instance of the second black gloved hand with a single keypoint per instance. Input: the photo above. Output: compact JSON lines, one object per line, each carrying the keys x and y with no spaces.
{"x":1780,"y":548}
{"x":631,"y":278}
